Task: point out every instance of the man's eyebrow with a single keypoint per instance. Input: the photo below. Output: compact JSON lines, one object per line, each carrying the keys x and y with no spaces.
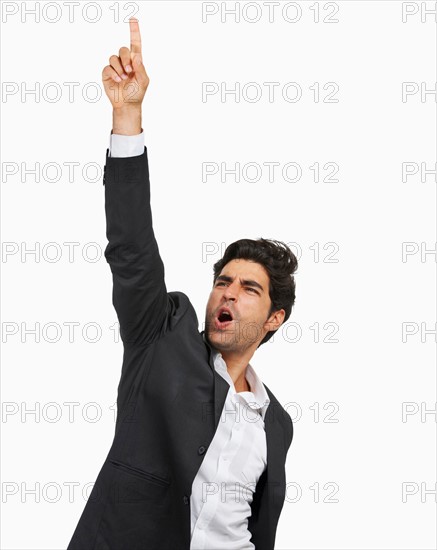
{"x":245,"y":282}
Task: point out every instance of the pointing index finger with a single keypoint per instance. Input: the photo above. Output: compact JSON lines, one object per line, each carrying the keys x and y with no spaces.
{"x":135,"y":36}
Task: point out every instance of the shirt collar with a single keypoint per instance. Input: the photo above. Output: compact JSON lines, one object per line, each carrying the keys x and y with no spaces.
{"x":262,"y":399}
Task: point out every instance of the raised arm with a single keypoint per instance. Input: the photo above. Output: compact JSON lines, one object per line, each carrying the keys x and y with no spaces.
{"x":139,"y":292}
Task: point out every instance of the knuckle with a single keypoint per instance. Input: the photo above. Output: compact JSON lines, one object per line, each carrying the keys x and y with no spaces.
{"x":124,"y":50}
{"x":113,"y":59}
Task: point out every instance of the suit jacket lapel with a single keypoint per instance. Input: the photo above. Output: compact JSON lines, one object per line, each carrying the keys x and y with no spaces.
{"x":221,"y":387}
{"x":275,"y":462}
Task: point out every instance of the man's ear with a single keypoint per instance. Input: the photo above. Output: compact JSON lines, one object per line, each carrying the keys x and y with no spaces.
{"x":275,"y":320}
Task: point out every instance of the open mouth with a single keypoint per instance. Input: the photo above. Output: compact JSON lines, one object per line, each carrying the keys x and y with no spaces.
{"x":224,"y":318}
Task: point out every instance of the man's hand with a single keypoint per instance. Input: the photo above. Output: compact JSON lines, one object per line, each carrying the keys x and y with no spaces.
{"x":125,"y":81}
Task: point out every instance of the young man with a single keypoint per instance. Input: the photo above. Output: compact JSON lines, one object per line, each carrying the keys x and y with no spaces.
{"x":198,"y":457}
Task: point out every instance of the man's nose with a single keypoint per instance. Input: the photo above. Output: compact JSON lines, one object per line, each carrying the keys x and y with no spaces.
{"x":231,"y":292}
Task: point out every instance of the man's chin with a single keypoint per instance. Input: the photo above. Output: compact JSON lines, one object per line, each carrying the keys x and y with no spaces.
{"x":220,"y":338}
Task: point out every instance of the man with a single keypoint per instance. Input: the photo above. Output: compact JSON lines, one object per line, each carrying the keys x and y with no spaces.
{"x":198,"y":457}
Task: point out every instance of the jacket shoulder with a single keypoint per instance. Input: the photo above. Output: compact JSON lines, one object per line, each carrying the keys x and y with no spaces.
{"x":179,"y":307}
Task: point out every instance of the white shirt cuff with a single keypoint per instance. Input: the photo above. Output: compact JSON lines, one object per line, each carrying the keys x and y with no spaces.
{"x":126,"y":146}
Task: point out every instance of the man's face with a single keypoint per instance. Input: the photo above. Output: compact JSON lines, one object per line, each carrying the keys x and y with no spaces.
{"x":242,"y":288}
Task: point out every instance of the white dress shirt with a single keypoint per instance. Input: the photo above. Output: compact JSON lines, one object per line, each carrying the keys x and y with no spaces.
{"x":223,"y":488}
{"x":126,"y":146}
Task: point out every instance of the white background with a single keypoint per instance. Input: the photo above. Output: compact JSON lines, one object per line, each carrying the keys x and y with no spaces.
{"x":368,"y":294}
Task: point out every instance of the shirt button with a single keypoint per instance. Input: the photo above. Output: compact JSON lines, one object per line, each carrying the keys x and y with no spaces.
{"x":201,"y":450}
{"x":186,"y":499}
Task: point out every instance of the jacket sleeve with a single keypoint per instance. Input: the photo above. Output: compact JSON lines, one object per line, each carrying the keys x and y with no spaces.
{"x":139,"y":293}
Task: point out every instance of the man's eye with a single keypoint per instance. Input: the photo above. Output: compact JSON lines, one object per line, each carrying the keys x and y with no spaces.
{"x":252,"y":289}
{"x":220,"y":283}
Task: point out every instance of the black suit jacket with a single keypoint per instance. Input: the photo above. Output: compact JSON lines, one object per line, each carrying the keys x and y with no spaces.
{"x":169,"y":396}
